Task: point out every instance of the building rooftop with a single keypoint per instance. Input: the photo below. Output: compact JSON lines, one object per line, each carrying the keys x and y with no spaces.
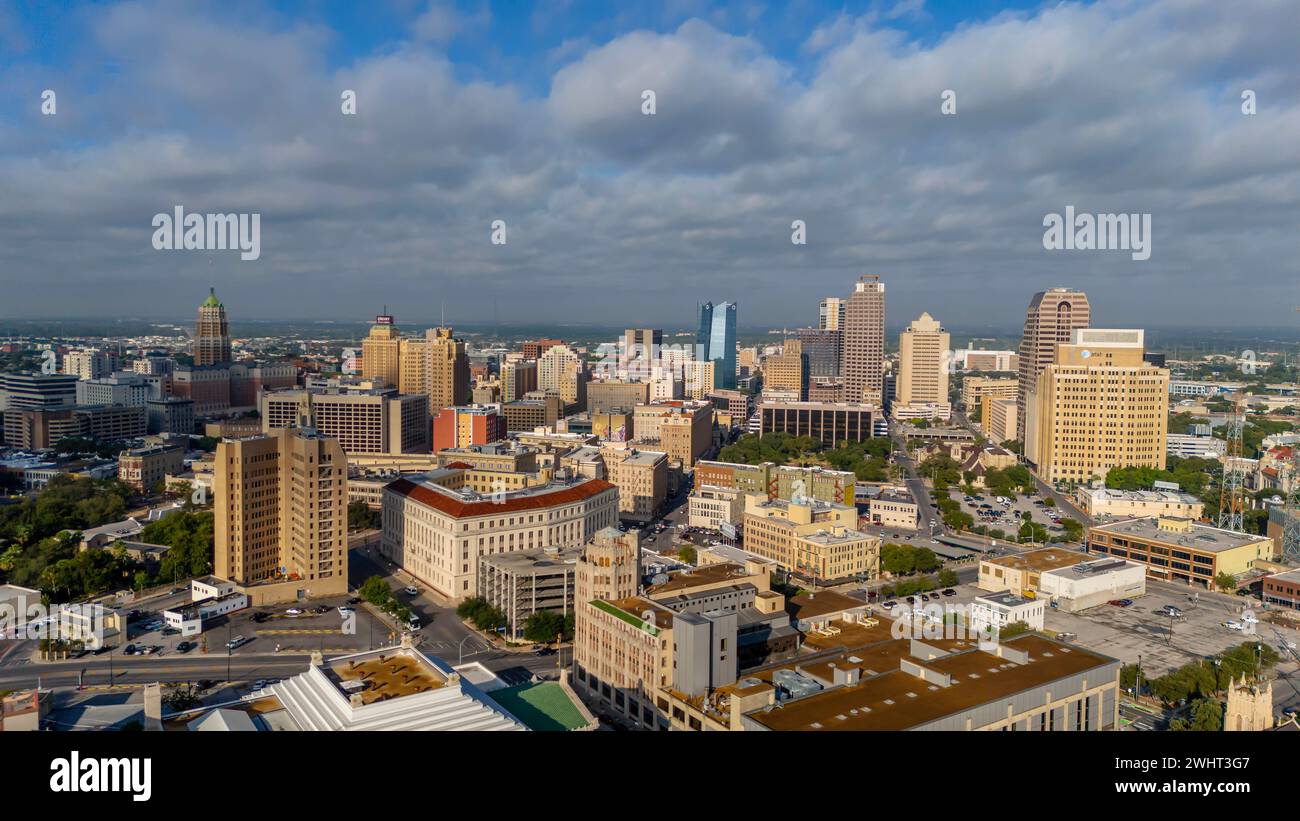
{"x":1003,"y":599}
{"x":1197,"y":536}
{"x":1110,"y":495}
{"x":821,"y":603}
{"x":707,"y":574}
{"x":543,"y":706}
{"x":892,"y":699}
{"x":539,"y":560}
{"x":1047,"y":558}
{"x":467,"y":504}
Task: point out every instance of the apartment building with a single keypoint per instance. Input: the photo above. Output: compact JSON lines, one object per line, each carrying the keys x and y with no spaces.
{"x":145,"y":468}
{"x":998,"y":418}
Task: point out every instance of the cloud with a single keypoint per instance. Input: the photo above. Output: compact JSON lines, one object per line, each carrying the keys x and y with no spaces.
{"x":616,"y":216}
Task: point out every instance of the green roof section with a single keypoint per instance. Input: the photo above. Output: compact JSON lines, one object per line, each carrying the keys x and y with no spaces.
{"x":543,"y":707}
{"x":635,"y":621}
{"x":211,"y":301}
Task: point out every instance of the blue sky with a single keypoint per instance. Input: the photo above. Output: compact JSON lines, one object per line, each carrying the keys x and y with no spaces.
{"x":769,"y":112}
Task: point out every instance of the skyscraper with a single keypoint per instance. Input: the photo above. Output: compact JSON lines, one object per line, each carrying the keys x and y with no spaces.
{"x":830,"y":314}
{"x":211,"y":333}
{"x":922,"y":366}
{"x":863,"y":361}
{"x":281,"y":512}
{"x":438,"y":366}
{"x":1052,"y":317}
{"x":716,"y":341}
{"x":381,"y":352}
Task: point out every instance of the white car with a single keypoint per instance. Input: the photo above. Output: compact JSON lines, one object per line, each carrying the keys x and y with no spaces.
{"x":411,"y":591}
{"x":346,"y":611}
{"x":293,"y":611}
{"x":1232,"y":625}
{"x":1249,"y":618}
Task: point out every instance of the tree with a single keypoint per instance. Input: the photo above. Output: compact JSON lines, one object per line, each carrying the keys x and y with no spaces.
{"x":361,"y":517}
{"x":947,"y":577}
{"x":544,"y":626}
{"x":687,"y":554}
{"x":1225,"y":581}
{"x":1206,"y":715}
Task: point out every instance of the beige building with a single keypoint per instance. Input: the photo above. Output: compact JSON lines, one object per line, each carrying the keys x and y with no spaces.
{"x":1020,"y":573}
{"x":975,"y":388}
{"x":1179,"y":549}
{"x":211,"y":333}
{"x":610,"y":395}
{"x":922,"y":369}
{"x":710,"y":505}
{"x":864,"y":341}
{"x":438,"y":534}
{"x":683,"y":430}
{"x":1100,"y":502}
{"x":437,"y":366}
{"x":361,"y":421}
{"x":143,"y":468}
{"x":562,"y":371}
{"x":814,"y":539}
{"x":518,"y":377}
{"x":280,"y":515}
{"x":998,"y":418}
{"x":697,"y":378}
{"x":830,"y":313}
{"x":1098,"y":406}
{"x":1052,"y":318}
{"x":381,"y":352}
{"x":788,"y":371}
{"x":609,"y":567}
{"x":641,"y":477}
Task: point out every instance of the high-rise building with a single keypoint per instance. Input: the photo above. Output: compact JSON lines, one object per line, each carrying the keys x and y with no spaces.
{"x":922,"y":365}
{"x":437,"y":366}
{"x":381,"y":352}
{"x":212,"y":332}
{"x":281,"y":513}
{"x":716,"y":341}
{"x":1097,"y":406}
{"x":610,"y":566}
{"x":640,"y":351}
{"x":537,"y":347}
{"x":863,"y":359}
{"x":88,"y":364}
{"x":518,"y":378}
{"x":822,"y":347}
{"x":787,"y":371}
{"x":1052,"y":317}
{"x":561,"y":370}
{"x":363,"y":421}
{"x":830,"y":314}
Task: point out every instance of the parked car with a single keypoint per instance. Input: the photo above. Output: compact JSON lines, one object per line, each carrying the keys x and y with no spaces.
{"x":185,"y":647}
{"x":1119,"y":602}
{"x":171,"y":631}
{"x":130,"y":650}
{"x":411,"y":591}
{"x":293,"y":611}
{"x":889,"y":605}
{"x":354,"y":600}
{"x":1232,"y":624}
{"x":949,"y":592}
{"x":237,"y":642}
{"x":346,"y":611}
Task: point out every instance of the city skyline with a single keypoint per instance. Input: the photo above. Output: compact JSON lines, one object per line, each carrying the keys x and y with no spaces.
{"x":820,"y":116}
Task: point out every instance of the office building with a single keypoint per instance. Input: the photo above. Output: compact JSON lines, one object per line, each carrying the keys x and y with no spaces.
{"x":698,"y":378}
{"x":821,"y":347}
{"x":609,"y":395}
{"x":517,"y":379}
{"x":975,"y":388}
{"x":609,"y":567}
{"x":641,"y":477}
{"x":170,"y":415}
{"x":1103,"y":502}
{"x":281,"y":515}
{"x":535,"y":411}
{"x":462,"y":427}
{"x":923,"y":371}
{"x":830,"y":313}
{"x":984,"y":361}
{"x":683,"y":430}
{"x":437,"y":366}
{"x":121,"y":388}
{"x":1175,"y":548}
{"x":560,"y":370}
{"x":211,"y":333}
{"x":863,"y":358}
{"x":710,"y":507}
{"x":891,"y":507}
{"x":1052,"y":319}
{"x":814,"y":539}
{"x":716,"y":341}
{"x":829,"y":422}
{"x":88,"y":364}
{"x":780,"y":481}
{"x":373,"y":421}
{"x":787,"y":372}
{"x":1097,"y":406}
{"x":37,"y":391}
{"x":439,"y":534}
{"x":1020,"y":573}
{"x":145,"y":468}
{"x":40,"y":429}
{"x":998,"y":418}
{"x":381,"y":353}
{"x":535,"y":349}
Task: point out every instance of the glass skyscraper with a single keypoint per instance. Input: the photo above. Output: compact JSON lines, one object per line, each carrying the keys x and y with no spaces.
{"x":716,"y":341}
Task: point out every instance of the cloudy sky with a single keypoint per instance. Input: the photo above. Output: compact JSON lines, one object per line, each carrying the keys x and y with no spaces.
{"x":766,"y":113}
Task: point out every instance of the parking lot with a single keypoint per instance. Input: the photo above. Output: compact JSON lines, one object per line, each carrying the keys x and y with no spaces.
{"x":987,"y":511}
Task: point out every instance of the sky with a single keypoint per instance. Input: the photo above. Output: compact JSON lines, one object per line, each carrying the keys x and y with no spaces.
{"x":765,"y":113}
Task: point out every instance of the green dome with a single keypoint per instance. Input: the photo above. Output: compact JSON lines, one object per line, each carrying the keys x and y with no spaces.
{"x":211,"y":301}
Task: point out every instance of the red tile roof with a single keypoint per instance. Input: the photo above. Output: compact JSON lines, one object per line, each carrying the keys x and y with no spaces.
{"x":483,"y":507}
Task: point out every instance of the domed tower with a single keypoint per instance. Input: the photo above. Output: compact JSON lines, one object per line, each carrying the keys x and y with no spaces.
{"x":212,"y":332}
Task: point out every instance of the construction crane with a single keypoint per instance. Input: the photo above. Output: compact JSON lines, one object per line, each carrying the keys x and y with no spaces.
{"x":1231,"y":501}
{"x":1291,"y":514}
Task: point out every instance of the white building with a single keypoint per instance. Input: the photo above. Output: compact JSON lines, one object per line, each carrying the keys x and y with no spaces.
{"x":1187,"y":446}
{"x":709,"y":506}
{"x":1001,"y":609}
{"x":1089,"y":584}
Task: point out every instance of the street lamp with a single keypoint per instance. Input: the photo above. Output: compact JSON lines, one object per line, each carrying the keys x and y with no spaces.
{"x":460,"y":652}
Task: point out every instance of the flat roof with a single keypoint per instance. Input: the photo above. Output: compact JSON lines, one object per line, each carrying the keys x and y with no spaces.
{"x":537,"y":560}
{"x":1199,"y":536}
{"x":542,"y":706}
{"x":708,"y":574}
{"x":821,"y":603}
{"x":897,"y":700}
{"x":1047,"y":558}
{"x":382,"y":675}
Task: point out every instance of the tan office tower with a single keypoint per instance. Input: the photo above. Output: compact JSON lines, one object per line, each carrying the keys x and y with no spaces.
{"x":518,"y":378}
{"x":562,"y":371}
{"x":922,"y":366}
{"x":381,"y":352}
{"x":281,"y":514}
{"x":211,"y":333}
{"x":1053,"y":315}
{"x":1098,"y":406}
{"x":830,"y":314}
{"x":610,"y":566}
{"x":864,"y":341}
{"x":787,"y":371}
{"x":448,"y":369}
